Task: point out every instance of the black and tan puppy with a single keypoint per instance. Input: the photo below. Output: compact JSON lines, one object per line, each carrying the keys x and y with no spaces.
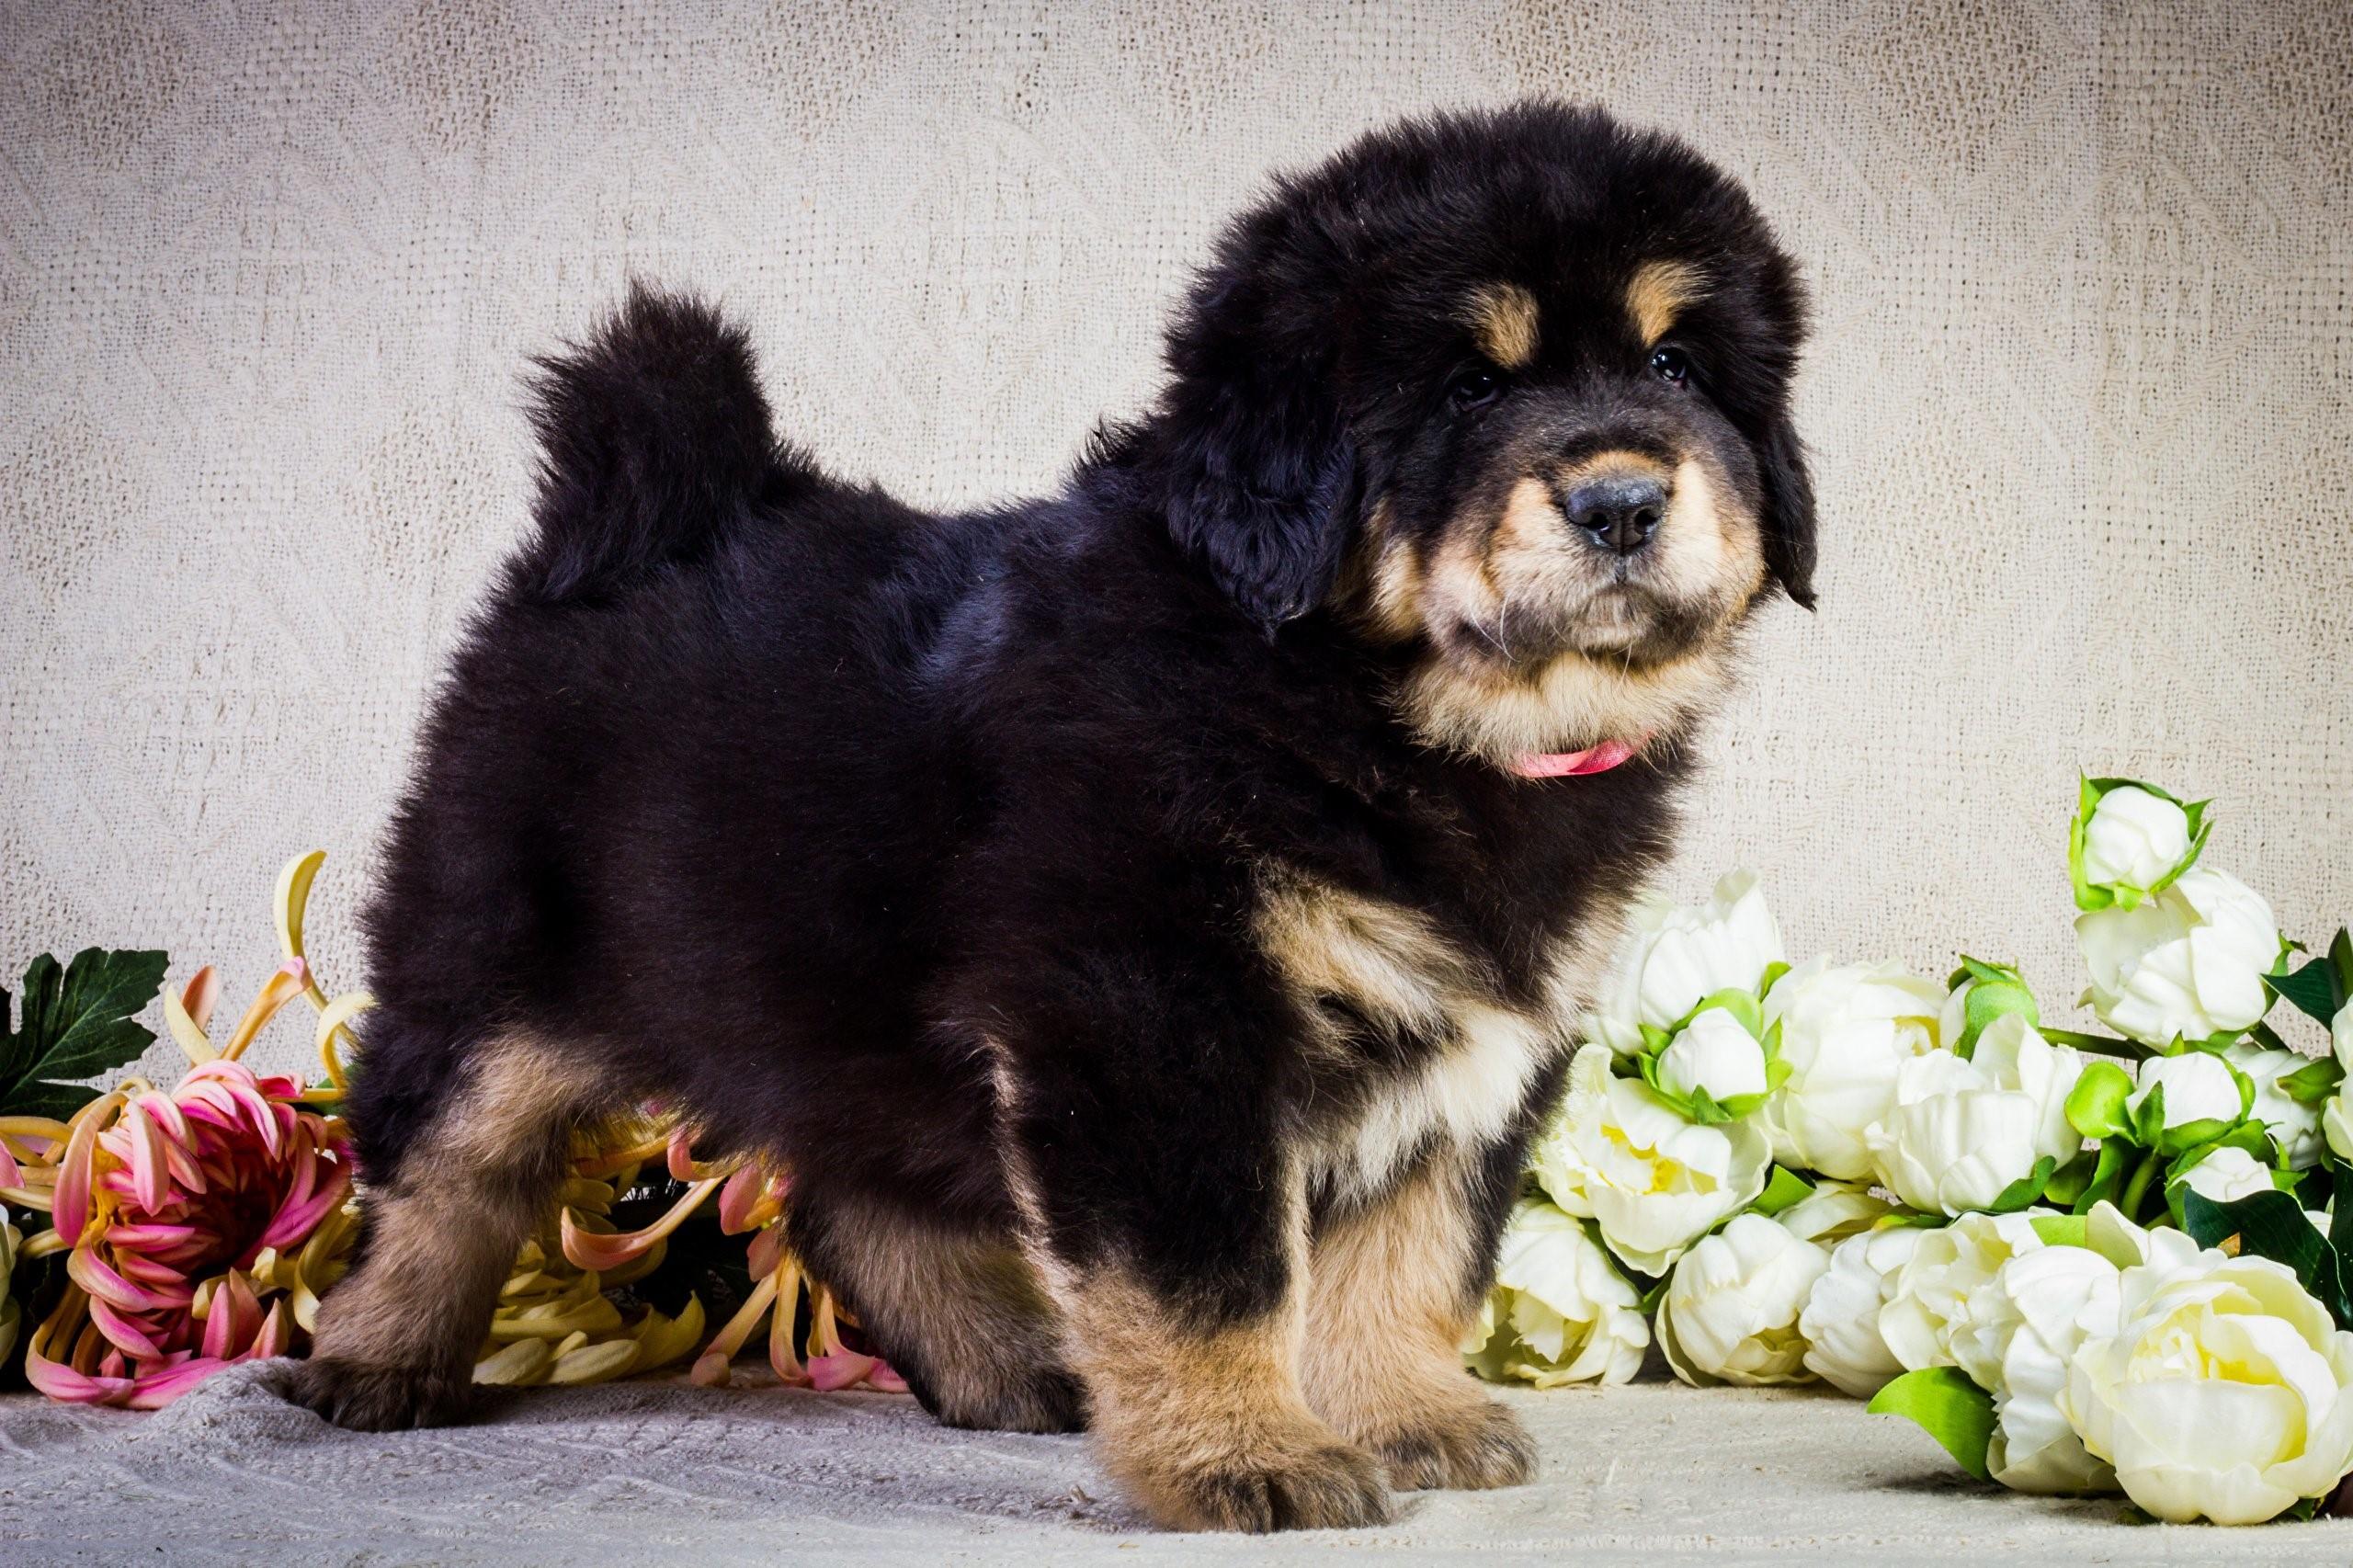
{"x":1150,"y":920}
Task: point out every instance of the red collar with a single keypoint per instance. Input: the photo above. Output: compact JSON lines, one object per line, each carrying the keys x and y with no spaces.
{"x":1562,"y":764}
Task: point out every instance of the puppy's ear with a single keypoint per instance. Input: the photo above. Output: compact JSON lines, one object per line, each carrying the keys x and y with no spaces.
{"x":1787,"y":519}
{"x":1258,"y":475}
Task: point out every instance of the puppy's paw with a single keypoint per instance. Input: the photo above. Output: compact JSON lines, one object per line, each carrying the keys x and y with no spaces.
{"x":1047,"y":1401}
{"x":1468,"y":1446}
{"x":364,"y":1398}
{"x":1302,"y":1485}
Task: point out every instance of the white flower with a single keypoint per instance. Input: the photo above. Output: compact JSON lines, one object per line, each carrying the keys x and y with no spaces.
{"x":1844,"y":1033}
{"x":1676,"y":956}
{"x":1715,"y":1055}
{"x":2228,"y":1174}
{"x":2187,"y":964}
{"x":2199,"y":1086}
{"x":1561,"y":1312}
{"x":1840,"y":1322}
{"x":1833,"y":1211}
{"x":1943,"y":1310}
{"x":2223,"y":1393}
{"x":1730,"y":1313}
{"x":2337,"y":1116}
{"x":1653,"y":1182}
{"x":2042,"y":1306}
{"x":2294,"y":1125}
{"x":2133,"y":839}
{"x":1961,"y":1131}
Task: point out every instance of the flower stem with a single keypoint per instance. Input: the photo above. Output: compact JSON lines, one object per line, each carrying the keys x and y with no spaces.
{"x":2138,"y":1187}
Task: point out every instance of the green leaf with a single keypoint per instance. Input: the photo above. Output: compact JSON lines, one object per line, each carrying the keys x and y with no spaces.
{"x":2314,"y":1082}
{"x":1785,"y":1188}
{"x":1944,"y":1404}
{"x":2026,"y":1189}
{"x":2341,"y":963}
{"x":2312,"y":989}
{"x":2149,"y":1118}
{"x":2098,"y":1044}
{"x":2108,"y":1174}
{"x":2272,"y":1225}
{"x":76,"y":1023}
{"x":2096,"y":1105}
{"x":1993,"y":990}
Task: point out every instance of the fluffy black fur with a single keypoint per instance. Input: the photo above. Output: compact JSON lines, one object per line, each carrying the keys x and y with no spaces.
{"x":801,"y":809}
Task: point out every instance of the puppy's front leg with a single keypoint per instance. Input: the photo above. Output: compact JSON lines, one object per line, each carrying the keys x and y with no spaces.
{"x":1170,"y":1227}
{"x":1397,"y":1281}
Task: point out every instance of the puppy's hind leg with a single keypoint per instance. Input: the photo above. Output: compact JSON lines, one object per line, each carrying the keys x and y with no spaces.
{"x":958,"y":1312}
{"x":461,"y":1148}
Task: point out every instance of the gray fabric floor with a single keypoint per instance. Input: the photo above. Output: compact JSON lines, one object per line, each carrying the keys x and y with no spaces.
{"x":665,"y":1473}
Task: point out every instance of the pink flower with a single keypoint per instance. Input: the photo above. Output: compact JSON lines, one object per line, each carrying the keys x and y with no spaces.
{"x":168,"y":1202}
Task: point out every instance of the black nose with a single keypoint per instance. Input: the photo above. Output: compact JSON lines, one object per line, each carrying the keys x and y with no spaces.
{"x":1621,"y":514}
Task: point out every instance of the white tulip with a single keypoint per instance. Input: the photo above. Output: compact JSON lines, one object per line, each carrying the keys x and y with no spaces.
{"x":1653,"y":1182}
{"x":1944,"y":1309}
{"x":2187,"y":964}
{"x":2228,"y":1174}
{"x":1561,"y":1312}
{"x":2337,"y":1116}
{"x":1713,"y":1054}
{"x":1840,"y":1322}
{"x":1844,"y":1033}
{"x":2043,"y":1305}
{"x":2294,"y":1125}
{"x":1730,"y":1313}
{"x":1675,"y":956}
{"x":1961,"y":1131}
{"x":2222,"y":1395}
{"x":2133,"y":839}
{"x":2198,"y":1084}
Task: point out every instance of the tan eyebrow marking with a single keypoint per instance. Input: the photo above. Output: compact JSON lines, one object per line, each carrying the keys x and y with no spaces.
{"x":1661,"y":290}
{"x":1503,"y":318}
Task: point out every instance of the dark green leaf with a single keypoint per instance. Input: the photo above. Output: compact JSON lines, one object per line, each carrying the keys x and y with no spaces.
{"x":2098,"y":1044}
{"x":2311,"y":990}
{"x":2272,"y":1225}
{"x":75,"y":1024}
{"x":1948,"y":1407}
{"x":2341,"y":963}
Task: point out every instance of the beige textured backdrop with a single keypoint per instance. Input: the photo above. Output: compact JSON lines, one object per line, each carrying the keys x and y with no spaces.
{"x":2082,"y":402}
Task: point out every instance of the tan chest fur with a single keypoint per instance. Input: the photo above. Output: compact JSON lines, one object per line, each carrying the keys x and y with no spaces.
{"x":1393,"y":967}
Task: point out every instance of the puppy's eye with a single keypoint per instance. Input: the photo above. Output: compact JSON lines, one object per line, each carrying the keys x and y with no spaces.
{"x":1670,"y":363}
{"x":1475,"y":389}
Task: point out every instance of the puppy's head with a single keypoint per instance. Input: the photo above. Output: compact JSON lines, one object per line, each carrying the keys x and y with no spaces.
{"x":1509,"y":393}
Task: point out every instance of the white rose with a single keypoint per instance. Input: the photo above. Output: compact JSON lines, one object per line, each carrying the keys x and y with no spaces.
{"x":2337,"y":1116}
{"x":1561,"y":1312}
{"x":1844,"y":1033}
{"x":2227,"y":1175}
{"x":2133,"y":839}
{"x":1730,"y":1313}
{"x":1654,"y":1183}
{"x":1676,"y":956}
{"x":2199,"y":1086}
{"x":2294,"y":1125}
{"x":1840,"y":1322}
{"x":1715,"y":1054}
{"x":1960,"y":1131}
{"x":2187,"y":964}
{"x":1944,"y":1309}
{"x":2222,"y":1395}
{"x":2043,"y":1305}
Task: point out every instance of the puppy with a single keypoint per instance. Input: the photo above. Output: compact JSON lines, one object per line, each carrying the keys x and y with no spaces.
{"x":1149,"y":922}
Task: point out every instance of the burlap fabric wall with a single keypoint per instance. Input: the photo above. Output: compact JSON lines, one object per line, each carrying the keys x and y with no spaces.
{"x":2082,"y":402}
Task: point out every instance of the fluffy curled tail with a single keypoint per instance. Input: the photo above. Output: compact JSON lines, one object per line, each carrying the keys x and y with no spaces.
{"x":655,"y":441}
